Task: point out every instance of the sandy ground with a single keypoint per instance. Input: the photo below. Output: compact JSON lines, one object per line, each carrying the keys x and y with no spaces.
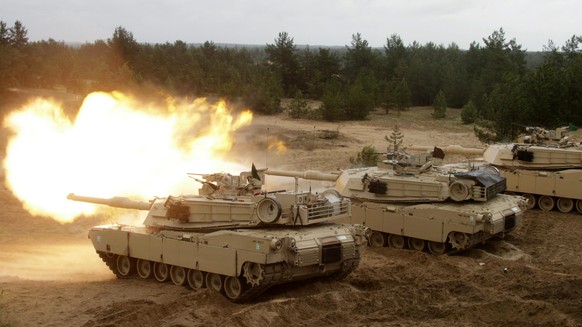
{"x":50,"y":275}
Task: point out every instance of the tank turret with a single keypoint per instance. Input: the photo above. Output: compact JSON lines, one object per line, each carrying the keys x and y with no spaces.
{"x":528,"y":156}
{"x":225,"y":201}
{"x":397,"y":181}
{"x":518,"y":155}
{"x":547,"y":174}
{"x":232,"y":237}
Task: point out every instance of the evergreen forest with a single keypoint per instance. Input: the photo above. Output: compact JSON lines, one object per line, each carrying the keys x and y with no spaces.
{"x":498,"y":85}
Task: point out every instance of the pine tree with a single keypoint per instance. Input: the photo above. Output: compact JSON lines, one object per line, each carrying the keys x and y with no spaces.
{"x":4,"y":34}
{"x":283,"y":60}
{"x":440,"y":105}
{"x":18,"y":35}
{"x":395,"y":139}
{"x":358,"y":102}
{"x":298,"y":106}
{"x":402,"y":95}
{"x":469,"y":113}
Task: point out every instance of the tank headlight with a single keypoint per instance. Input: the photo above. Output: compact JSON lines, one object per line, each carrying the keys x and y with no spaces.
{"x":276,"y":244}
{"x":488,"y":216}
{"x":292,"y":245}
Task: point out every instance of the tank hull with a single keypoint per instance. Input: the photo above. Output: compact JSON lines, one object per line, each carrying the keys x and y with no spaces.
{"x":438,"y":227}
{"x":547,"y":189}
{"x":240,"y":263}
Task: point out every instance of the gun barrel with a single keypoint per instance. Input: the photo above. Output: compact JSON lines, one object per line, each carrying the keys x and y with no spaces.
{"x":308,"y":174}
{"x":116,"y":202}
{"x":451,"y":149}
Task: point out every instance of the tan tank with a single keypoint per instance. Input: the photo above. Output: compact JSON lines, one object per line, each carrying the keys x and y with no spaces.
{"x":424,"y":207}
{"x":232,"y":237}
{"x":548,"y":175}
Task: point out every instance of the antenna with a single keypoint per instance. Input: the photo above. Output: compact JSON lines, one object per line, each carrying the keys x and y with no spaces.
{"x":266,"y":160}
{"x":267,"y":149}
{"x":311,"y":165}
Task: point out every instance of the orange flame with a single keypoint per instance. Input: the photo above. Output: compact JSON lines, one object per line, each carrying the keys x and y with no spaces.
{"x":115,"y":146}
{"x":278,"y":146}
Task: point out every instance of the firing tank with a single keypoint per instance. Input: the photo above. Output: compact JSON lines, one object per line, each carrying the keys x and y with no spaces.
{"x":232,"y":237}
{"x":548,"y":175}
{"x":409,"y":203}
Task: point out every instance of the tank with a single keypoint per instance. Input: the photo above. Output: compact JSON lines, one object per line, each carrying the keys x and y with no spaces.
{"x":409,"y":203}
{"x":232,"y":237}
{"x":547,"y":174}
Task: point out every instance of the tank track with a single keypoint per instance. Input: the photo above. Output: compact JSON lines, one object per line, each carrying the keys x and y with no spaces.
{"x":253,"y":292}
{"x":347,"y":268}
{"x":457,"y":242}
{"x":109,"y":260}
{"x":271,"y":275}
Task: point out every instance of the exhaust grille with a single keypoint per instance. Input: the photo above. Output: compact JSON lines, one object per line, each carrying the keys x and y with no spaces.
{"x":331,"y":253}
{"x":509,"y":222}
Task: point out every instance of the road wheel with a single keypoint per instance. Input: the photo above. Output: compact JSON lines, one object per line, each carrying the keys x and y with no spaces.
{"x":234,"y":287}
{"x":161,"y":272}
{"x":531,"y":200}
{"x":178,"y":275}
{"x":376,"y":240}
{"x":124,"y":265}
{"x":144,"y":268}
{"x":416,"y":244}
{"x":565,"y":204}
{"x":437,"y":248}
{"x":196,"y":279}
{"x":546,"y":203}
{"x":396,"y":241}
{"x":214,"y":282}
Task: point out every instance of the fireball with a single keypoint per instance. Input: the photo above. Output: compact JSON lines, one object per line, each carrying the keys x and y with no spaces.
{"x":114,"y":146}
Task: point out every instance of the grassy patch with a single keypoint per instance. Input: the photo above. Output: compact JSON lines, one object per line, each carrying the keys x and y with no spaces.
{"x":420,"y":118}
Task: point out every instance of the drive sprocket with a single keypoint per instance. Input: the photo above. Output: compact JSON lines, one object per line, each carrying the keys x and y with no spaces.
{"x":254,"y":273}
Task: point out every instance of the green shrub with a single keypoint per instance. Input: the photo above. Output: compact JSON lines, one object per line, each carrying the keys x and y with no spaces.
{"x":440,"y":105}
{"x":366,"y":158}
{"x":298,"y":107}
{"x":469,"y":113}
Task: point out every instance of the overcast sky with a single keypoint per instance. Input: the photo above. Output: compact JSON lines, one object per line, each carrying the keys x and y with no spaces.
{"x":314,"y":22}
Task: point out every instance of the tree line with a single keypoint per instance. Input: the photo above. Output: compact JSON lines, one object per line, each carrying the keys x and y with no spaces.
{"x":494,"y":83}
